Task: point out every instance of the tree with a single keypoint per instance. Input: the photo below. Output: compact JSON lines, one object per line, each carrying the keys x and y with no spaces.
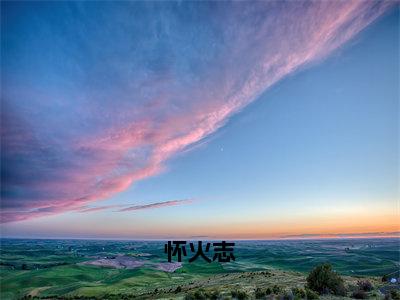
{"x":324,"y":280}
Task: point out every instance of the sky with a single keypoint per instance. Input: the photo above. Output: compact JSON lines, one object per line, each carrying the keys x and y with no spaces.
{"x":199,"y":119}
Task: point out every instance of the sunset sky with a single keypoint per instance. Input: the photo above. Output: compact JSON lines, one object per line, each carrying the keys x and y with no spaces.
{"x":199,"y":119}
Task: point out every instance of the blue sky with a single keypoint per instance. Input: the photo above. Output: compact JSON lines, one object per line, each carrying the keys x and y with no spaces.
{"x":307,"y":145}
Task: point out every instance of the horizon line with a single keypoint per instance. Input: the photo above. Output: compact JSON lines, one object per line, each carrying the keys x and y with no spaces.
{"x":207,"y":239}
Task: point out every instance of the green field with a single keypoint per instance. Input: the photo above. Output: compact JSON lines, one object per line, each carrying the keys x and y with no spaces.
{"x":58,"y":268}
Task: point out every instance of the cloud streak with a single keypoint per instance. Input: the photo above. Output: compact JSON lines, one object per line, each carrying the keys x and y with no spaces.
{"x":124,"y":208}
{"x":97,"y":208}
{"x":156,"y":205}
{"x":97,"y":96}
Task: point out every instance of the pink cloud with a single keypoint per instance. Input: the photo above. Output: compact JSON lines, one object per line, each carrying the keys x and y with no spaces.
{"x":144,"y":121}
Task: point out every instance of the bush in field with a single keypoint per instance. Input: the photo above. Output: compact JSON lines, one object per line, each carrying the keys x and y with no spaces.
{"x":288,"y":295}
{"x":202,"y":295}
{"x":359,"y":294}
{"x":365,"y":285}
{"x":298,"y":293}
{"x":276,"y":289}
{"x":395,"y":295}
{"x":259,"y":293}
{"x":324,"y":280}
{"x":189,"y":296}
{"x":240,"y":295}
{"x":311,"y":295}
{"x":213,"y":295}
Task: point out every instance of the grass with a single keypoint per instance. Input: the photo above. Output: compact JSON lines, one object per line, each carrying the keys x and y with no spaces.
{"x":287,"y":264}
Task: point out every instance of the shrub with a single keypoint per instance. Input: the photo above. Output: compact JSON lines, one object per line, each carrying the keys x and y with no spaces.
{"x":242,"y":295}
{"x":288,"y":296}
{"x":259,"y":293}
{"x":323,"y":280}
{"x":189,"y":296}
{"x":238,"y":294}
{"x":395,"y":294}
{"x":197,"y":295}
{"x":365,"y":285}
{"x":311,"y":295}
{"x":298,"y":293}
{"x":268,"y":291}
{"x":360,"y":294}
{"x":276,"y":289}
{"x":178,"y":289}
{"x":213,"y":295}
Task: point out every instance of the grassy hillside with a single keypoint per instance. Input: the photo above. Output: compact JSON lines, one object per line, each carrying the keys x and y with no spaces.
{"x":223,"y":286}
{"x":60,"y":269}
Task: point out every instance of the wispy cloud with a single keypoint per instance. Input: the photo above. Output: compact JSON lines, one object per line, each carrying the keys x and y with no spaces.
{"x":97,"y":96}
{"x":157,"y":205}
{"x":97,"y":208}
{"x":124,"y":208}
